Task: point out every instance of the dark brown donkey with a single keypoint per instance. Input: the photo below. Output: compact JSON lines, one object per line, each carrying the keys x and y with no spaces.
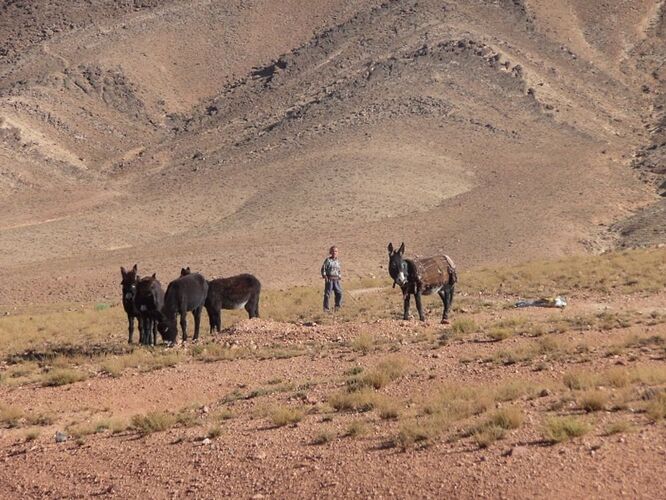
{"x":234,"y":292}
{"x":423,"y":276}
{"x":187,"y":293}
{"x":129,"y":282}
{"x":149,"y":302}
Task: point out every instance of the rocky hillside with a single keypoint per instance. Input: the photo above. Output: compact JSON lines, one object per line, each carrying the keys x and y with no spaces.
{"x":226,"y":135}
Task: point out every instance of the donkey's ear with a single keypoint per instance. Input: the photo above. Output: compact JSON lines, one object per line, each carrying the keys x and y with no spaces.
{"x":154,"y":275}
{"x":401,"y":250}
{"x":135,"y":268}
{"x":390,"y":248}
{"x":123,"y":271}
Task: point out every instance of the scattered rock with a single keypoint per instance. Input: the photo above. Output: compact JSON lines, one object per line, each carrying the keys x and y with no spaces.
{"x":516,"y":451}
{"x":61,"y":437}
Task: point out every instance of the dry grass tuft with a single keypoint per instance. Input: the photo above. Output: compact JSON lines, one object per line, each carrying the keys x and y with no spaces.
{"x":656,"y":408}
{"x":507,"y":418}
{"x":364,"y":343}
{"x":618,"y":427}
{"x":464,"y":326}
{"x":144,"y":360}
{"x":32,"y":434}
{"x":457,"y":403}
{"x":62,"y":376}
{"x":379,"y":376}
{"x":388,"y":409}
{"x":498,"y":333}
{"x":155,"y":421}
{"x":214,"y":432}
{"x":357,"y":429}
{"x":487,"y":435}
{"x":558,"y":429}
{"x":421,"y":431}
{"x":361,"y":400}
{"x":593,"y":400}
{"x":10,"y":416}
{"x":323,"y":437}
{"x":285,"y":415}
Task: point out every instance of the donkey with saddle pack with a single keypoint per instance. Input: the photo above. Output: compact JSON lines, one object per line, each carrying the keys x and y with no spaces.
{"x":423,"y":276}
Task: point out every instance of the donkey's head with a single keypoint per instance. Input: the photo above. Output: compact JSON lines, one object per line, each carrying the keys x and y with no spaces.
{"x":168,"y":328}
{"x":146,"y":294}
{"x":397,"y":265}
{"x":129,"y":282}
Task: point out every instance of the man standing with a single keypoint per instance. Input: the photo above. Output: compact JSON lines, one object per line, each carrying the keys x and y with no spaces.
{"x":330,"y":271}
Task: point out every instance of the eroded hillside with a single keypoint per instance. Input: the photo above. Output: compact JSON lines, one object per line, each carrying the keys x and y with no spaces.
{"x":230,"y":135}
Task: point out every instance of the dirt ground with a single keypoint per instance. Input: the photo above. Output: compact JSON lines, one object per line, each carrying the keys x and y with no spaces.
{"x":267,"y":364}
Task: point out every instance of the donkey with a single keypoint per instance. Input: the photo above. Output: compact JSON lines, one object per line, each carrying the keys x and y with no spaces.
{"x":234,"y":292}
{"x":129,"y":282}
{"x":149,"y":301}
{"x":187,"y":293}
{"x":423,"y":276}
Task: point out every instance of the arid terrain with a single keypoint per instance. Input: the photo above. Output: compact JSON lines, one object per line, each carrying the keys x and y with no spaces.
{"x":231,"y":135}
{"x":503,"y":403}
{"x":525,"y":138}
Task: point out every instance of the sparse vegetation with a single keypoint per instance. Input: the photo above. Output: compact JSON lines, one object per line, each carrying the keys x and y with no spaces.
{"x":361,"y":400}
{"x":388,"y":409}
{"x":10,"y":416}
{"x":507,"y":418}
{"x":214,"y":432}
{"x":363,"y":343}
{"x":464,"y":326}
{"x":618,"y":427}
{"x":154,"y":421}
{"x":323,"y":437}
{"x":357,"y":429}
{"x":656,"y":408}
{"x":558,"y":429}
{"x":32,"y":434}
{"x":285,"y":415}
{"x":487,"y":435}
{"x":383,"y":373}
{"x":593,"y":400}
{"x":62,"y":376}
{"x":421,"y":431}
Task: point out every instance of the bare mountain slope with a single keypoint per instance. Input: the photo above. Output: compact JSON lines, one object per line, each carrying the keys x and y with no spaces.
{"x":231,"y":136}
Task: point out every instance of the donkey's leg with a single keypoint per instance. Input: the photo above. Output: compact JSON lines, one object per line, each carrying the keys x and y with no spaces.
{"x":183,"y":324}
{"x":443,"y":295}
{"x":152,"y":330}
{"x":252,"y":307}
{"x":419,"y":306}
{"x":142,"y":328}
{"x":130,"y":320}
{"x":450,"y":289}
{"x":197,"y":321}
{"x":209,"y":311}
{"x":406,"y":304}
{"x":256,"y":305}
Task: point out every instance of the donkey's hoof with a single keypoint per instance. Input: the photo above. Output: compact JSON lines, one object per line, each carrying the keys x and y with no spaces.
{"x":445,"y":321}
